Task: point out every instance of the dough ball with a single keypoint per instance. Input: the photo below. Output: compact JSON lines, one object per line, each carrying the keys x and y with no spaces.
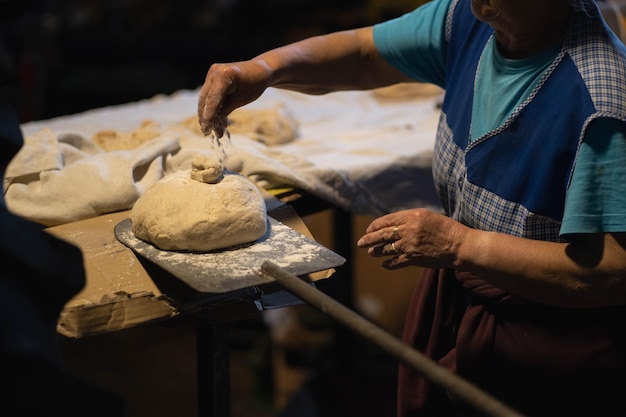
{"x":113,"y":140}
{"x":407,"y":91}
{"x":179,"y":213}
{"x":205,"y":169}
{"x":269,"y":126}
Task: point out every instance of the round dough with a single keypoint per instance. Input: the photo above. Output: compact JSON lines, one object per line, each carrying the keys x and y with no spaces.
{"x":269,"y":126}
{"x":113,"y":140}
{"x":180,"y":213}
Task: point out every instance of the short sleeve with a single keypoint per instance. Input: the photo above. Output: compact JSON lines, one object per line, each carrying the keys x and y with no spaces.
{"x":414,"y":43}
{"x":596,"y":198}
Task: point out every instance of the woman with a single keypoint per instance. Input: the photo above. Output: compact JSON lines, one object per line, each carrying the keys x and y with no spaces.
{"x":524,"y":287}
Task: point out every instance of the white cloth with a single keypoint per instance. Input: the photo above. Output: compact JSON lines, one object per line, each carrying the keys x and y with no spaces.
{"x":352,"y":150}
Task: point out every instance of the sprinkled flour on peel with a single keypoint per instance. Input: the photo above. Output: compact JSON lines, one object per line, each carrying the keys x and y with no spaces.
{"x":237,"y":267}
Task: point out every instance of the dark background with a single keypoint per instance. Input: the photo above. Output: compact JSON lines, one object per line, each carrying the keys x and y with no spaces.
{"x":62,"y":57}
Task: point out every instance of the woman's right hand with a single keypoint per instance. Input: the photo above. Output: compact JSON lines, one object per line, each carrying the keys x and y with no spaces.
{"x":227,"y":87}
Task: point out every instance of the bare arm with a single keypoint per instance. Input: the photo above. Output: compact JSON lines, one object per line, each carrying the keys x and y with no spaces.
{"x":346,"y":60}
{"x":588,"y":272}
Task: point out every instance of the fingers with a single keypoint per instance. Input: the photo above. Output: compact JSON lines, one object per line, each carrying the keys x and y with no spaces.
{"x":226,"y":88}
{"x":385,"y":242}
{"x":386,"y":249}
{"x":380,"y":236}
{"x":209,"y":116}
{"x":383,"y":239}
{"x":218,"y":85}
{"x":395,"y":233}
{"x":389,"y":220}
{"x":216,"y":126}
{"x":205,"y":114}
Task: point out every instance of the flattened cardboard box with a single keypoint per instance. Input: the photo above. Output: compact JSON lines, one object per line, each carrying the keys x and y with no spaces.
{"x":119,"y":292}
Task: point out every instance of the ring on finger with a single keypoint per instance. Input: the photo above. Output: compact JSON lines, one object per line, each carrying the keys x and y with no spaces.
{"x":396,"y":235}
{"x":394,"y":251}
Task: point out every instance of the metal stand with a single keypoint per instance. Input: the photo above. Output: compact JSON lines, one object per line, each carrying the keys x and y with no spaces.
{"x":213,"y":364}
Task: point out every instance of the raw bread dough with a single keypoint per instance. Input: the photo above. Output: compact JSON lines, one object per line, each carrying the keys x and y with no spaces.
{"x":181,"y":213}
{"x":271,"y":126}
{"x":206,"y":170}
{"x":113,"y":140}
{"x":407,"y":91}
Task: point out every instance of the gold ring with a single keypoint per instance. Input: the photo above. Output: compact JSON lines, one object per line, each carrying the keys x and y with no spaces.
{"x":393,"y":248}
{"x":396,"y":236}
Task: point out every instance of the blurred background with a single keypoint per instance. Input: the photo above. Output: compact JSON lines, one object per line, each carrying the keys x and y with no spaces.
{"x":63,"y":57}
{"x":67,"y":56}
{"x":79,"y":54}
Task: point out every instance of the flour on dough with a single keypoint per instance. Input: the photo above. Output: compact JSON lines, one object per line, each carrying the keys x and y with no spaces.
{"x":185,"y":214}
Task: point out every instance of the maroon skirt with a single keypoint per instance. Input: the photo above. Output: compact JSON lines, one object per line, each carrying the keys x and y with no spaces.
{"x":539,"y":360}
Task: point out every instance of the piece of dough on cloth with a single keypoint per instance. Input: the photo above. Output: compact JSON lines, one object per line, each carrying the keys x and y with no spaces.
{"x":406,"y":91}
{"x":200,"y":210}
{"x":270,"y":126}
{"x":112,"y":140}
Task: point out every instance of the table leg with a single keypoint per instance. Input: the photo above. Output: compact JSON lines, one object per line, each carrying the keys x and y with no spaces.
{"x":344,"y":281}
{"x":213,"y":364}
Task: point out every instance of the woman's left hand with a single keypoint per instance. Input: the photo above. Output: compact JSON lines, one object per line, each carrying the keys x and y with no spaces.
{"x":416,"y":237}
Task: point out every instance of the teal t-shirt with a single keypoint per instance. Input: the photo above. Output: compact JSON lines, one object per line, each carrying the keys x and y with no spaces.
{"x":596,"y":199}
{"x":503,"y":85}
{"x":414,"y":43}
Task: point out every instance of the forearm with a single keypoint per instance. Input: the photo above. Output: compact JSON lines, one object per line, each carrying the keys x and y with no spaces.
{"x":588,"y":273}
{"x":346,"y":60}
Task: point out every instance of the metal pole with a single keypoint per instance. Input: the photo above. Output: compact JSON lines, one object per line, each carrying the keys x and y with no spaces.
{"x":464,"y":390}
{"x":213,"y":366}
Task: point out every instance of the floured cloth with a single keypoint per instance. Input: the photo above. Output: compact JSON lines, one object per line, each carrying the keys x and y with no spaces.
{"x":350,"y":149}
